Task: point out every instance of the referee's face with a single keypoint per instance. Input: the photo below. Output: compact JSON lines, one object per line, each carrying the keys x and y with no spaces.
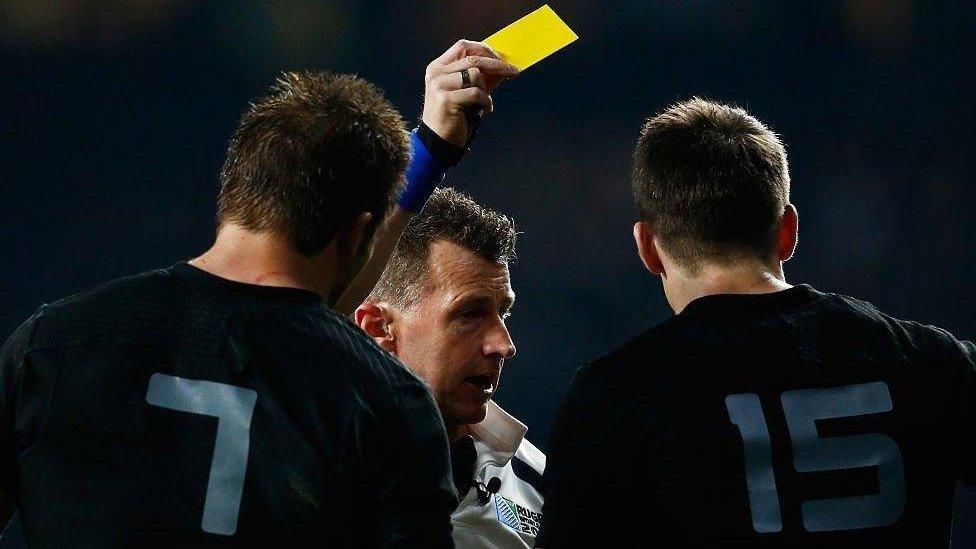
{"x":455,"y":336}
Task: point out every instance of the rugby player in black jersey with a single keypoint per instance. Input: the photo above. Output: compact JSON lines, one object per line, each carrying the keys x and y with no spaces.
{"x":221,"y":401}
{"x":762,"y":414}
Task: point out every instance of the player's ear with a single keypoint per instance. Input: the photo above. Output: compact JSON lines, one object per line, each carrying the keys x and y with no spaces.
{"x":351,"y":235}
{"x":375,"y":320}
{"x":788,"y":229}
{"x":647,"y":248}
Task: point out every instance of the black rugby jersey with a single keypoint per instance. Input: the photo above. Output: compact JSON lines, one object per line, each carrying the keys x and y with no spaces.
{"x":179,"y":409}
{"x":793,"y":419}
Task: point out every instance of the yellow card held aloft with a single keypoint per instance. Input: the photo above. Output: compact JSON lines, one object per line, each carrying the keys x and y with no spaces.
{"x":532,"y":38}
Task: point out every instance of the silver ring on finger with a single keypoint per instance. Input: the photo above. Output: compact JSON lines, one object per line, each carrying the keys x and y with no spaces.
{"x":465,"y":78}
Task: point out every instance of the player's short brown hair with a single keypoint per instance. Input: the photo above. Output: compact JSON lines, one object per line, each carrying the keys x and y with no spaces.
{"x":713,"y":181}
{"x":450,"y":216}
{"x":307,"y":158}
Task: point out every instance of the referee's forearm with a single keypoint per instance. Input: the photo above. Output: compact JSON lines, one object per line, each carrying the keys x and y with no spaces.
{"x":384,"y":242}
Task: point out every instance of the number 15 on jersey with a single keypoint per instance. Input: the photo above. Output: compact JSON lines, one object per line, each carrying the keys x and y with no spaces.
{"x":813,"y":453}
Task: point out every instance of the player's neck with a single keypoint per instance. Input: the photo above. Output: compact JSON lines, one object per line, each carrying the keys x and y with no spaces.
{"x":266,"y":259}
{"x":741,"y":278}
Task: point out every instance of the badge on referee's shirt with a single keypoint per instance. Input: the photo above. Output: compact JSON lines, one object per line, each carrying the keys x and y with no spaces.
{"x":516,"y":517}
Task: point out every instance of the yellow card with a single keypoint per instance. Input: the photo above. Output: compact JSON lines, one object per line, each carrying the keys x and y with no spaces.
{"x":532,"y":38}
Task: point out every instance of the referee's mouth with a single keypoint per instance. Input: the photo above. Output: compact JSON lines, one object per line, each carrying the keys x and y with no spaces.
{"x":486,"y":384}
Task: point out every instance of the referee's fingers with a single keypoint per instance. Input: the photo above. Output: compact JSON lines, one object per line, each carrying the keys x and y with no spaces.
{"x":454,"y":81}
{"x":488,"y":65}
{"x":463,"y":48}
{"x":468,"y":97}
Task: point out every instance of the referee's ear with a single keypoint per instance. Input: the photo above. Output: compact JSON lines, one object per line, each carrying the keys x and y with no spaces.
{"x":375,"y":319}
{"x":647,"y":248}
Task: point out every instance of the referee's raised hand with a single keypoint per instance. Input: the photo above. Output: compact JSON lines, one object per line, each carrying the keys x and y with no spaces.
{"x":463,"y":76}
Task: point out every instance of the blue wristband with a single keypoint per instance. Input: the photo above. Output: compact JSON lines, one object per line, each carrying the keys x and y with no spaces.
{"x":424,"y":174}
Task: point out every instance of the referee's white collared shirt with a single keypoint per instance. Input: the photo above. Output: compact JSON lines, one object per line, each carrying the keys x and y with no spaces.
{"x":509,"y":518}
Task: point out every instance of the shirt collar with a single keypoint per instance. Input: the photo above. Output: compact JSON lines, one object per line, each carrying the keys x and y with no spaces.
{"x":500,"y":431}
{"x":798,"y":295}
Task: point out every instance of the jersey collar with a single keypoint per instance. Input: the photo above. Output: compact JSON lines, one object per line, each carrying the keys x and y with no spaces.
{"x":799,"y":295}
{"x":500,"y":432}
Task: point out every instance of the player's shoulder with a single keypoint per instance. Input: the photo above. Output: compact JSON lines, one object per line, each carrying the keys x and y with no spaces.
{"x":912,"y":337}
{"x":604,"y":383}
{"x":380,"y":368}
{"x":104,"y":308}
{"x":113,"y":291}
{"x":637,"y":354}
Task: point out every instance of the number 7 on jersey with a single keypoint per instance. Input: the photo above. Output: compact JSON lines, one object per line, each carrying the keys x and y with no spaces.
{"x":233,"y":407}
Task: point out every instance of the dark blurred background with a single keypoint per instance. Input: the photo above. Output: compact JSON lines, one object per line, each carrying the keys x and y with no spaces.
{"x":114,"y":115}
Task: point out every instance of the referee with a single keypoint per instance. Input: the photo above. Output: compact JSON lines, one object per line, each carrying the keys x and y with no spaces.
{"x":763,"y":414}
{"x":441,"y":307}
{"x":221,"y":401}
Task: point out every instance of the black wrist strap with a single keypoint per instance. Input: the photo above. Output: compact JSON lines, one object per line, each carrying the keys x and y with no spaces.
{"x":445,"y":152}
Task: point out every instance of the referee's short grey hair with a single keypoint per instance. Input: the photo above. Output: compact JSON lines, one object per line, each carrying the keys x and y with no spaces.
{"x":450,"y":216}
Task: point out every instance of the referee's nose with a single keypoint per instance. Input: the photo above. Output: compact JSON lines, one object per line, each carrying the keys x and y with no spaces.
{"x":498,"y":342}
